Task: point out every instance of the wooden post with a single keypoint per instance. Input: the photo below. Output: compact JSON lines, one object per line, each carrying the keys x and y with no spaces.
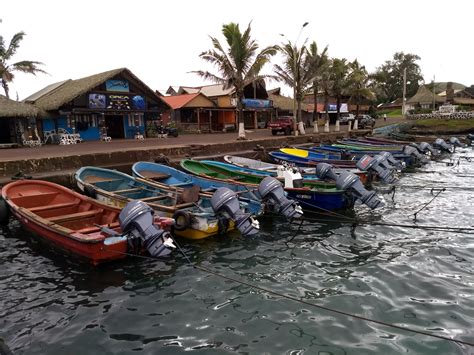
{"x":199,"y":120}
{"x":255,"y":125}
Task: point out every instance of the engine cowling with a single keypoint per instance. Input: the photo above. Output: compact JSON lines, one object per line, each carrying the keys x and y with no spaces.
{"x":368,"y":163}
{"x":349,"y":181}
{"x":442,"y":145}
{"x":272,"y":192}
{"x":415,"y":153}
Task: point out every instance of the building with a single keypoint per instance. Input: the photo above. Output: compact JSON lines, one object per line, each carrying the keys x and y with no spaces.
{"x":18,"y":122}
{"x":115,"y":103}
{"x":424,"y":99}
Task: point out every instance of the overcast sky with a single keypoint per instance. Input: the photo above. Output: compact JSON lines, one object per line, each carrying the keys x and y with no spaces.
{"x":160,"y":41}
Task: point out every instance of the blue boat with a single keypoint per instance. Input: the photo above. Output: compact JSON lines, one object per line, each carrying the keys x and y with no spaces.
{"x":192,"y":211}
{"x":281,"y":157}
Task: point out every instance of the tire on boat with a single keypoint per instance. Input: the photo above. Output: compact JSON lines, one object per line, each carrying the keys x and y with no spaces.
{"x":4,"y":212}
{"x":182,"y":220}
{"x":89,"y":191}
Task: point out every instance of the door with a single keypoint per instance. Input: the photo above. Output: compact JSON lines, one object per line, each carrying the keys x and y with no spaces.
{"x":114,"y":124}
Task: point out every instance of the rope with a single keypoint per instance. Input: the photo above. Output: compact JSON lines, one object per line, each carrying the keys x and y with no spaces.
{"x":426,"y":204}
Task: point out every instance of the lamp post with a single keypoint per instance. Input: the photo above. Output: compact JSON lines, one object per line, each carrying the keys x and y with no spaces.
{"x":296,"y":74}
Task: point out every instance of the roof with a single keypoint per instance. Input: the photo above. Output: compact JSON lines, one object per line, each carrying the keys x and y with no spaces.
{"x":180,"y":101}
{"x":281,"y":102}
{"x":59,"y":95}
{"x":424,"y":95}
{"x":208,"y":90}
{"x":11,"y":108}
{"x":463,"y":101}
{"x":443,"y":93}
{"x":44,"y":91}
{"x":442,"y":86}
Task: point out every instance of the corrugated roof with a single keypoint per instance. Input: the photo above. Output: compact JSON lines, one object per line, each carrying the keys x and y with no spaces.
{"x":44,"y":91}
{"x":11,"y":108}
{"x":179,"y":101}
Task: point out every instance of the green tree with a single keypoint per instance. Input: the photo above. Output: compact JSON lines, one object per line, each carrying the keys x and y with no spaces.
{"x":358,"y":85}
{"x":388,"y":78}
{"x":339,"y":76}
{"x":8,"y":69}
{"x":238,"y":65}
{"x":318,"y":64}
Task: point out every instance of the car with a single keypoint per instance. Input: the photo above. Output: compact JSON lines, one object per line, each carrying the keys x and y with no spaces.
{"x":346,"y":118}
{"x":366,"y":121}
{"x":282,"y":124}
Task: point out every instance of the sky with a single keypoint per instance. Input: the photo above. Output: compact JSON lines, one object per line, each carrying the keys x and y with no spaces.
{"x":160,"y":41}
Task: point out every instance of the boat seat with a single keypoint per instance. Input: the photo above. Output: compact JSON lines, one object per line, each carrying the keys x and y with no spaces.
{"x":93,"y":229}
{"x":52,"y":207}
{"x":73,"y":216}
{"x":178,"y":184}
{"x":154,"y":175}
{"x":154,"y":198}
{"x":134,"y":189}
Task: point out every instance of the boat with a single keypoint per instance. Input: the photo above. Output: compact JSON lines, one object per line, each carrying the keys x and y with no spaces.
{"x":312,"y":196}
{"x":306,"y":172}
{"x":303,"y":158}
{"x":266,"y":195}
{"x":78,"y":224}
{"x":192,"y":210}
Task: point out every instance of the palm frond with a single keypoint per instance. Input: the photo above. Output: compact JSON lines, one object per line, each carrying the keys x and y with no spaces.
{"x":28,"y":66}
{"x":14,"y":45}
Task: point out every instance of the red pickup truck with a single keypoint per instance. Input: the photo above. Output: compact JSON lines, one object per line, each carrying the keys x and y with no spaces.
{"x":282,"y":124}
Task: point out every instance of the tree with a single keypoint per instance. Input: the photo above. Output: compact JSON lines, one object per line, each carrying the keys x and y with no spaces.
{"x":318,"y":64}
{"x":339,"y":74}
{"x":238,"y":65}
{"x":295,"y":73}
{"x":8,"y":69}
{"x":388,"y":78}
{"x":358,"y":84}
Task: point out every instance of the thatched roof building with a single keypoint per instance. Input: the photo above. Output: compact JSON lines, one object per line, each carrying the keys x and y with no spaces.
{"x":424,"y":96}
{"x":11,"y":108}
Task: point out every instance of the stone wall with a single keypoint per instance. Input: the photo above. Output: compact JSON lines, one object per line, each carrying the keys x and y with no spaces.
{"x":442,"y":116}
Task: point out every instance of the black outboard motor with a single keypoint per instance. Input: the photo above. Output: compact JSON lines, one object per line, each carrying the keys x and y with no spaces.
{"x":456,"y":142}
{"x":271,"y":191}
{"x":349,"y":181}
{"x":470,"y":138}
{"x":367,"y":163}
{"x":394,"y":162}
{"x":415,"y":153}
{"x":424,"y":147}
{"x":136,"y":220}
{"x":225,"y":201}
{"x":442,"y":145}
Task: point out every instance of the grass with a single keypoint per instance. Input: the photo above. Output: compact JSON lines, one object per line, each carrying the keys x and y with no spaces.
{"x":445,"y":125}
{"x":390,"y":113}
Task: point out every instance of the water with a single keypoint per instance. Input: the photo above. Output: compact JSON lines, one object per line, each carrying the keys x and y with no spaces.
{"x":420,"y":279}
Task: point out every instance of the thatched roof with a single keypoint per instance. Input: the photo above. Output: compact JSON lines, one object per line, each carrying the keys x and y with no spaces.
{"x":11,"y":108}
{"x":424,"y":96}
{"x":70,"y":89}
{"x":281,"y":102}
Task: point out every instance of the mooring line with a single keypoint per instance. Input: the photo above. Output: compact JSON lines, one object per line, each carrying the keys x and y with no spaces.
{"x":298,"y":300}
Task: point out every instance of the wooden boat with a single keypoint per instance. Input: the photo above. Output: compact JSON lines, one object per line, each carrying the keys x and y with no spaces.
{"x":71,"y":221}
{"x":302,"y":158}
{"x":312,"y":196}
{"x":307,"y":173}
{"x":192,"y":210}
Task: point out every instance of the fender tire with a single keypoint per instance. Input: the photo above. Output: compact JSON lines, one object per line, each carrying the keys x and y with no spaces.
{"x":182,"y":220}
{"x":89,"y":191}
{"x":4,"y":212}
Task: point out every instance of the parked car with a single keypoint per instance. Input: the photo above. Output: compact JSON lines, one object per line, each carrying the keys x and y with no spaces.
{"x":366,"y":121}
{"x":282,"y":124}
{"x":346,"y":118}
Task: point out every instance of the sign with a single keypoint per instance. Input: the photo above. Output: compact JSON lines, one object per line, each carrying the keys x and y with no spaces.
{"x":118,"y":102}
{"x":342,"y":108}
{"x":97,"y":101}
{"x":117,"y":85}
{"x":256,"y":103}
{"x":138,"y":102}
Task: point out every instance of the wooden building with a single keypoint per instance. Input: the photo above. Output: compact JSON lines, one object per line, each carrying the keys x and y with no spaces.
{"x":115,"y":102}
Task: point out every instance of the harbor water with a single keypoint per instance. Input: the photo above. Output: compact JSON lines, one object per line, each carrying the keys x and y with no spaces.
{"x":421,"y":279}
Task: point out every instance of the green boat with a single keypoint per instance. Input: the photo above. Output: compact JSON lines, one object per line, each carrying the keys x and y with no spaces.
{"x":313,"y":195}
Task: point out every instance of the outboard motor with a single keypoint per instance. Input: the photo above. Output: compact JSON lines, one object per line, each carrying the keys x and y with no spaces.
{"x":347,"y":180}
{"x":136,"y":220}
{"x":424,"y":147}
{"x":394,"y":162}
{"x":367,"y":163}
{"x":224,"y":200}
{"x":271,"y":190}
{"x":456,"y":142}
{"x":442,"y":145}
{"x":415,"y":153}
{"x":382,"y":161}
{"x":470,"y":138}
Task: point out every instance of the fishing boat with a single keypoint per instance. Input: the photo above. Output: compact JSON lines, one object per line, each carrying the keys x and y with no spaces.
{"x":307,"y":173}
{"x":304,"y":158}
{"x":266,"y":195}
{"x":192,"y":210}
{"x":312,"y":196}
{"x":78,"y":224}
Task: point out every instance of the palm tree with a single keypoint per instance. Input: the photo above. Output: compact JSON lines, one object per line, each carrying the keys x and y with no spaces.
{"x":318,"y":63}
{"x":358,"y":84}
{"x":296,"y":74}
{"x":238,"y":65}
{"x":339,"y":77}
{"x":326,"y":86}
{"x":7,"y":69}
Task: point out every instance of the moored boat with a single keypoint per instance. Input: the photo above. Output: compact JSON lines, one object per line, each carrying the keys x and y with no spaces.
{"x":78,"y":224}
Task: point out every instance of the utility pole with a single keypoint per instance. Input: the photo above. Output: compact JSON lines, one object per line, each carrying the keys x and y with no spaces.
{"x":434,"y":97}
{"x":404,"y":91}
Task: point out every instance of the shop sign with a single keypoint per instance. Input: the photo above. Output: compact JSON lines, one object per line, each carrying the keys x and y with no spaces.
{"x":138,"y":102}
{"x":97,"y":101}
{"x":256,"y":103}
{"x":118,"y":102}
{"x":117,"y":85}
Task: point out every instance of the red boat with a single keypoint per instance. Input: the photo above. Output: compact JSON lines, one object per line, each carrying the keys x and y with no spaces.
{"x":69,"y":220}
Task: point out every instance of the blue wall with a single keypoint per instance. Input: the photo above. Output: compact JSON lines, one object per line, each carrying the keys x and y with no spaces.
{"x":130,"y":130}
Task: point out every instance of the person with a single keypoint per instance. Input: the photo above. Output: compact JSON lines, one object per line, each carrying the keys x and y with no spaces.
{"x":385,"y":117}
